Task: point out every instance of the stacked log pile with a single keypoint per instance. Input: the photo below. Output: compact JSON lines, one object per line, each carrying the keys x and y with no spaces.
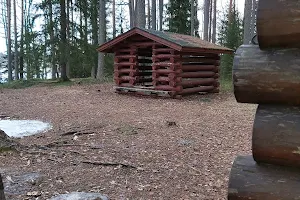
{"x":269,"y":75}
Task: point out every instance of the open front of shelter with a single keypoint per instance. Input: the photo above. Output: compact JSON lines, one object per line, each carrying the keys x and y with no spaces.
{"x":165,"y":64}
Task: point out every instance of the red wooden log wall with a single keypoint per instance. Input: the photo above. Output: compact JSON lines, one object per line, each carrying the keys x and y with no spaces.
{"x":157,"y":67}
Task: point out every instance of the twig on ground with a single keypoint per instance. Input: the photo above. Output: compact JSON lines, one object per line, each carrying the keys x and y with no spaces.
{"x":109,"y":164}
{"x":77,"y":133}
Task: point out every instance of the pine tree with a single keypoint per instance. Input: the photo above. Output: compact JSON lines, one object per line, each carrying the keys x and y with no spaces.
{"x":179,"y":12}
{"x":231,"y":36}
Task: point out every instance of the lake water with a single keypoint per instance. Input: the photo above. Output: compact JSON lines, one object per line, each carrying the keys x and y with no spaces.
{"x":21,"y":128}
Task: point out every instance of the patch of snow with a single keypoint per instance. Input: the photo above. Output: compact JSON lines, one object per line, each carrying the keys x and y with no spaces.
{"x":21,"y":128}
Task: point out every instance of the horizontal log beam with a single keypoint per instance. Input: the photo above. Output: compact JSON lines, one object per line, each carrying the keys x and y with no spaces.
{"x":167,"y":79}
{"x":201,"y":74}
{"x":160,"y":56}
{"x":197,"y":82}
{"x":278,"y":23}
{"x":168,"y":88}
{"x":193,"y":68}
{"x":163,"y":50}
{"x":196,"y":90}
{"x":166,"y":71}
{"x":266,"y":76}
{"x":276,"y":137}
{"x":125,"y":56}
{"x":207,"y":55}
{"x":198,"y":60}
{"x":125,"y":63}
{"x":248,"y":180}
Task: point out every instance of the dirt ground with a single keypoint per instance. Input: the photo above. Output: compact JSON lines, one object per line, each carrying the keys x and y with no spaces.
{"x":128,"y":147}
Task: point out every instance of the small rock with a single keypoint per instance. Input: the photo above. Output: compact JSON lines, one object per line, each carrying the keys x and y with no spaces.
{"x":80,"y":196}
{"x":33,"y":194}
{"x":185,"y":142}
{"x":171,"y":123}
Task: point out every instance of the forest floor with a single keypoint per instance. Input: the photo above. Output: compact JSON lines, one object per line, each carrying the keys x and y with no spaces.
{"x":127,"y":147}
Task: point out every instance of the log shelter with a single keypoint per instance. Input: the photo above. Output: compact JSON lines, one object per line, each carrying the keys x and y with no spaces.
{"x":151,"y":62}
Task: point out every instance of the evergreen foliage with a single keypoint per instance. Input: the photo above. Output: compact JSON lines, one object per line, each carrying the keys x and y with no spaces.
{"x":179,"y":16}
{"x":231,"y":36}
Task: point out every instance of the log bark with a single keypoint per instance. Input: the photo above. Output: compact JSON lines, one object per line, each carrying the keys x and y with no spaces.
{"x":197,"y":82}
{"x":266,"y":76}
{"x":2,"y":196}
{"x":249,"y":180}
{"x":278,"y":23}
{"x":276,"y":135}
{"x":187,"y":68}
{"x":196,"y":90}
{"x":201,"y":74}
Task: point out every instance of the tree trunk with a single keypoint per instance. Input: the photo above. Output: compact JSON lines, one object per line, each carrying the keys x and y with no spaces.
{"x":114,"y":17}
{"x":22,"y":42}
{"x":54,"y":67}
{"x":266,"y":76}
{"x":68,"y":38}
{"x":63,"y":42}
{"x":153,"y":14}
{"x":2,"y":196}
{"x":230,"y":14}
{"x":206,"y":19}
{"x":249,"y":180}
{"x":149,"y":15}
{"x":16,"y":43}
{"x":140,"y":14}
{"x":192,"y":17}
{"x":247,"y":21}
{"x":214,"y":32}
{"x":9,"y":41}
{"x":131,"y":13}
{"x":94,"y":21}
{"x":102,"y":36}
{"x":276,"y":138}
{"x":210,"y":20}
{"x":161,"y":10}
{"x":253,"y":18}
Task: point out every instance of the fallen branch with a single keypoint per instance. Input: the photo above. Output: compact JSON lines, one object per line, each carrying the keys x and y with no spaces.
{"x":109,"y":164}
{"x":78,"y":133}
